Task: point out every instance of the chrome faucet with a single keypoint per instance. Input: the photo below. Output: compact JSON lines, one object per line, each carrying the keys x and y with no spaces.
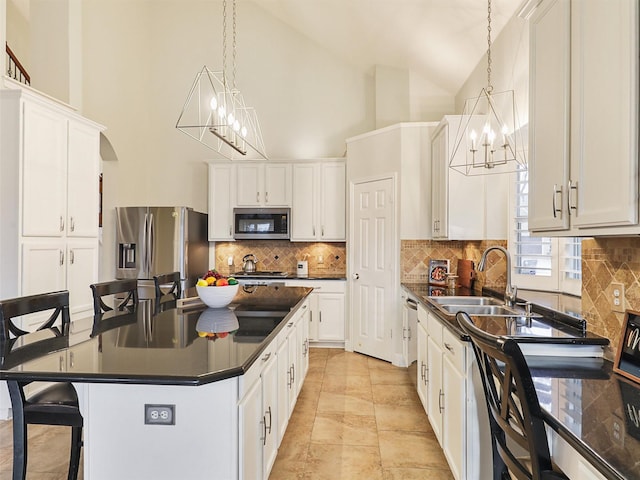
{"x":511,"y":291}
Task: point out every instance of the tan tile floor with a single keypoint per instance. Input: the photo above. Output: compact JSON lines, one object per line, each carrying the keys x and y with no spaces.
{"x":356,"y":418}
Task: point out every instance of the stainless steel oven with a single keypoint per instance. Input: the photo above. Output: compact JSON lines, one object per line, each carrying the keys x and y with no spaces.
{"x":261,"y":223}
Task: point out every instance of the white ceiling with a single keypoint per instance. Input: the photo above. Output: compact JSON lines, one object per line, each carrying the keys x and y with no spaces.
{"x":440,"y":40}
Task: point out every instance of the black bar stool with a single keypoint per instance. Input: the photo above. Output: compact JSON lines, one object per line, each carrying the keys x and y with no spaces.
{"x":55,"y":404}
{"x":129,"y":289}
{"x":172,"y":279}
{"x":515,"y":415}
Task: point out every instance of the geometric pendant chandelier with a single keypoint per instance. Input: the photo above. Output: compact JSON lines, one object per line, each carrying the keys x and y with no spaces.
{"x":215,"y":113}
{"x":489,"y":139}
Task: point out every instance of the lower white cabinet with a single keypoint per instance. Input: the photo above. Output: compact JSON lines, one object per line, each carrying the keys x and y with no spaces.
{"x":327,"y":310}
{"x":272,"y":387}
{"x":423,"y":365}
{"x":448,"y":386}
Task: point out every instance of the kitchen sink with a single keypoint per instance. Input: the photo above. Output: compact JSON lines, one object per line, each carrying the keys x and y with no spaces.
{"x":466,"y":301}
{"x":483,"y":310}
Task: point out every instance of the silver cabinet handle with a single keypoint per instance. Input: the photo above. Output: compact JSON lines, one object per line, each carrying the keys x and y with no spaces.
{"x":61,"y":257}
{"x":440,"y":397}
{"x":61,"y":359}
{"x":257,"y":197}
{"x":71,"y":360}
{"x":72,"y":224}
{"x":268,"y":412}
{"x":322,"y":231}
{"x":61,"y":224}
{"x":72,"y":257}
{"x":266,"y":197}
{"x":290,"y":324}
{"x":314,"y":231}
{"x":556,"y":210}
{"x":572,"y":187}
{"x":230,"y":231}
{"x":448,"y":347}
{"x":266,"y":357}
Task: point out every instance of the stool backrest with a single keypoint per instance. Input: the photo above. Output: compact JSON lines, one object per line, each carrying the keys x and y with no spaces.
{"x":128,"y":289}
{"x":515,"y":415}
{"x":12,"y":309}
{"x":172,"y":278}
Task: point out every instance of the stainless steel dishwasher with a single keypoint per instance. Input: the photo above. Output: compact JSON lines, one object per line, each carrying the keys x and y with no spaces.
{"x":409,"y":333}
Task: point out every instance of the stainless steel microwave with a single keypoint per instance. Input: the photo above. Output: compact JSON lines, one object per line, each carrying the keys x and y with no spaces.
{"x":261,"y":223}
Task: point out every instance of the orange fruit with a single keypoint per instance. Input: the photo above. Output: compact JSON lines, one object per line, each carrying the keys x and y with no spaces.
{"x":221,"y":282}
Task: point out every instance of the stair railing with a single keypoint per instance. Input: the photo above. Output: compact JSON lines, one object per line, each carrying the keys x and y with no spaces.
{"x":15,"y":69}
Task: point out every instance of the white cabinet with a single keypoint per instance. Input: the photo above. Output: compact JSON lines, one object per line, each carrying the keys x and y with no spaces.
{"x":221,"y":201}
{"x":327,"y":310}
{"x":409,"y":329}
{"x":448,"y":385}
{"x":583,"y":146}
{"x":464,"y":207}
{"x":262,"y":184}
{"x":318,"y":206}
{"x":50,"y":200}
{"x":423,"y":361}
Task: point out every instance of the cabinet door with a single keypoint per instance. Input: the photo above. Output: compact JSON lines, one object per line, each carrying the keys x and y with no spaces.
{"x":270,"y":415}
{"x":251,"y":433}
{"x":304,"y":201}
{"x":277,"y":185}
{"x":83,"y":165}
{"x":82,"y":270}
{"x":284,"y":379}
{"x":314,"y":316}
{"x":249,"y":183}
{"x":423,"y":366}
{"x":302,"y":334}
{"x":434,"y":387}
{"x":43,"y":270}
{"x":293,"y":367}
{"x":44,"y":173}
{"x":331,"y":316}
{"x":333,"y":202}
{"x":549,"y":111}
{"x":453,"y":437}
{"x":439,"y":146}
{"x":604,"y":129}
{"x":221,"y":189}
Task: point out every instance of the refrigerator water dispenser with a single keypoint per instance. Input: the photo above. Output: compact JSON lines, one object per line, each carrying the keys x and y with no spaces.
{"x":127,"y":255}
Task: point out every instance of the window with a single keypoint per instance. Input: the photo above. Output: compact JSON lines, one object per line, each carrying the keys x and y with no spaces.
{"x":541,"y":263}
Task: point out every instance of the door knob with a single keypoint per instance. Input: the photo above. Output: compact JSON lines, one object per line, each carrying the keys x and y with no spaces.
{"x":355,"y":276}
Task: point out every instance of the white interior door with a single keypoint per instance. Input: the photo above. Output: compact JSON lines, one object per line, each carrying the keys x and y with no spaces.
{"x":373,"y":225}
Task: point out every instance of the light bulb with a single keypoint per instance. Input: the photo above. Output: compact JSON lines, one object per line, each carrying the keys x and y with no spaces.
{"x":243,"y":131}
{"x":236,"y":125}
{"x":214,"y":103}
{"x":473,"y":135}
{"x":222,"y":111}
{"x":230,"y":118}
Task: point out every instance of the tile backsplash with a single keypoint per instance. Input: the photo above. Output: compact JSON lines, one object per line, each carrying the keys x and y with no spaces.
{"x":607,"y":260}
{"x":415,"y":255}
{"x":283,"y":255}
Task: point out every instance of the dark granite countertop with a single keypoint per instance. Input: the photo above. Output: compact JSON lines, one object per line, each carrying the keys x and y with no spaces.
{"x":160,"y":347}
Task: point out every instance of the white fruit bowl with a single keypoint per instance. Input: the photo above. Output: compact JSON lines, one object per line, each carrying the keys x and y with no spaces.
{"x":217,"y":297}
{"x":217,"y":320}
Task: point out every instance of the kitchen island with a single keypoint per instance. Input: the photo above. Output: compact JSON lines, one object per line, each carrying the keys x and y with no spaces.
{"x":161,"y":401}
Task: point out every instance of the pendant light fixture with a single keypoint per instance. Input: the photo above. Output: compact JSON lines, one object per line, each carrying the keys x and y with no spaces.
{"x":215,"y":113}
{"x":489,"y":132}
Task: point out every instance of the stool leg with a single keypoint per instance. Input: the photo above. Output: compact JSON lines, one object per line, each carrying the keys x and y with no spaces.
{"x":19,"y":448}
{"x":76,"y":446}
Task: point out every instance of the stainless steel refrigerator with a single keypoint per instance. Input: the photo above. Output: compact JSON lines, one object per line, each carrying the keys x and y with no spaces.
{"x":155,"y":240}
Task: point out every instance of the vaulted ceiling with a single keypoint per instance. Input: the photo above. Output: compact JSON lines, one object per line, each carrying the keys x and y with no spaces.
{"x":440,"y":40}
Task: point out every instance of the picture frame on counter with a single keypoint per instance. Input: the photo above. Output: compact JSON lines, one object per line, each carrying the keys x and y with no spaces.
{"x":627,"y":361}
{"x":438,"y":270}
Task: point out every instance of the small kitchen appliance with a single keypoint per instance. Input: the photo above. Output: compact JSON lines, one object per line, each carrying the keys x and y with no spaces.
{"x":302,"y":268}
{"x":249,"y":263}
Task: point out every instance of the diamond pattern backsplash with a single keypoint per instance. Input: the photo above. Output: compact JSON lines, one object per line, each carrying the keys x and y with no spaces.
{"x":415,"y":256}
{"x":607,"y":260}
{"x":283,"y":255}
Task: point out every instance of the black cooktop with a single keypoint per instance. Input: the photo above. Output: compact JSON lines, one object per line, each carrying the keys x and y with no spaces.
{"x":261,"y":274}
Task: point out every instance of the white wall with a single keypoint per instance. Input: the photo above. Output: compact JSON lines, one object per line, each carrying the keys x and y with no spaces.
{"x":509,"y":68}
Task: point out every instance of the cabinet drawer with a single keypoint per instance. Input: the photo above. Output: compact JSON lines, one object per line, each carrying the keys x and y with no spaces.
{"x":434,"y":329}
{"x":454,"y":350}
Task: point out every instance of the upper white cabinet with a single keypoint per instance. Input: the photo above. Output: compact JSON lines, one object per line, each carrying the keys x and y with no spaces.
{"x":49,"y":204}
{"x":263,"y":184}
{"x":318,"y":207}
{"x":464,"y":207}
{"x":583,"y":146}
{"x":221,"y":189}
